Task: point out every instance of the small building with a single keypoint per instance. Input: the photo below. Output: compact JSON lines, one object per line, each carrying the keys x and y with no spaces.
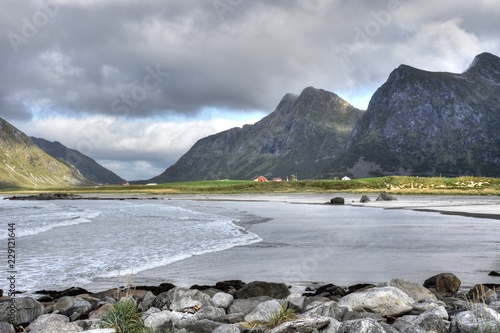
{"x":260,"y":179}
{"x":126,"y":184}
{"x":277,"y":179}
{"x":151,"y":184}
{"x":346,"y":178}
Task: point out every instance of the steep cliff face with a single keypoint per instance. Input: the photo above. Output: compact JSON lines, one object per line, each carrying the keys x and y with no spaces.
{"x":429,"y":123}
{"x":302,"y":136}
{"x":24,"y":165}
{"x":87,"y":166}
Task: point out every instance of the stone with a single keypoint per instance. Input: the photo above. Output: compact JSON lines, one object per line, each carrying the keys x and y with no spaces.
{"x":101,"y":330}
{"x":72,"y":307}
{"x":261,"y":288}
{"x":366,"y":325}
{"x":302,"y":325}
{"x":416,"y":291}
{"x":25,"y":310}
{"x":209,"y":312}
{"x":388,"y":301}
{"x":328,"y":309}
{"x":230,"y":286}
{"x":199,"y":326}
{"x":263,"y":312}
{"x":337,"y":201}
{"x":165,"y":320}
{"x":493,"y":273}
{"x":364,"y":199}
{"x":331,"y":289}
{"x":444,"y":283}
{"x":222,"y":300}
{"x":384,"y":196}
{"x":7,"y":328}
{"x":53,"y":323}
{"x":146,"y":301}
{"x":227,"y":328}
{"x":245,"y":306}
{"x":101,"y":312}
{"x":481,"y":319}
{"x":179,"y":299}
{"x":353,"y":315}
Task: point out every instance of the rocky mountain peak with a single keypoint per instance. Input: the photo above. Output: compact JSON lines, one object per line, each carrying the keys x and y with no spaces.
{"x":484,"y":65}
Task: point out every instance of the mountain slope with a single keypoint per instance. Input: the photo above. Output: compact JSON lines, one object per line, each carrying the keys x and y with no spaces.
{"x":429,"y":123}
{"x":87,"y":166}
{"x":24,"y":165}
{"x":302,"y":136}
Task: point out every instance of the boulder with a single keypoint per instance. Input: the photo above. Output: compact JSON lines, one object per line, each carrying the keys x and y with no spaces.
{"x":179,"y":299}
{"x":227,"y":328}
{"x":165,"y":320}
{"x":261,"y":288}
{"x":336,"y":201}
{"x":416,"y":291}
{"x":444,"y":283}
{"x":230,"y":286}
{"x":73,"y":307}
{"x":23,"y":310}
{"x":384,"y":196}
{"x":209,"y":312}
{"x":263,"y":312}
{"x":328,"y":309}
{"x":222,"y":300}
{"x":7,"y":328}
{"x":366,"y":325}
{"x":302,"y":325}
{"x":199,"y":326}
{"x":480,"y":319}
{"x":331,"y":289}
{"x":245,"y":306}
{"x":101,"y":312}
{"x":101,"y":330}
{"x":53,"y":323}
{"x":364,"y":199}
{"x":388,"y":301}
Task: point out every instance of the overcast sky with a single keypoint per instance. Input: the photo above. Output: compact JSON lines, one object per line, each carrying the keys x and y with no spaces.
{"x":134,"y":84}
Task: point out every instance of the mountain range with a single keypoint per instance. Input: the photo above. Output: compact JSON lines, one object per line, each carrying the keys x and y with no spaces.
{"x":417,"y":123}
{"x":24,"y":164}
{"x":302,"y":136}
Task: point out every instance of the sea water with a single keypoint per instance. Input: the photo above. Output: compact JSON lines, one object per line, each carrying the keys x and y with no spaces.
{"x":59,"y":244}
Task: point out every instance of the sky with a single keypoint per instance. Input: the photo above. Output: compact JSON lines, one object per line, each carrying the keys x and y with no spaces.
{"x":135,"y":83}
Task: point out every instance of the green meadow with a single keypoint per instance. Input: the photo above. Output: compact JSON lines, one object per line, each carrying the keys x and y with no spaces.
{"x":392,"y":184}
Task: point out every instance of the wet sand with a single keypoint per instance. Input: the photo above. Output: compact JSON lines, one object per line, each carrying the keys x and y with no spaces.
{"x":306,"y":242}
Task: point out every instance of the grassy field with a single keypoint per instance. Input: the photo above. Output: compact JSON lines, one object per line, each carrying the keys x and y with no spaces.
{"x":393,"y":184}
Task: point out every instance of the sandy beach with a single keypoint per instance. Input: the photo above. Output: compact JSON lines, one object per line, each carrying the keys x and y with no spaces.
{"x":306,"y":242}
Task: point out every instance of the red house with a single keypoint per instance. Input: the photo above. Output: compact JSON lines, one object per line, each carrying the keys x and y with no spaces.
{"x":260,"y":179}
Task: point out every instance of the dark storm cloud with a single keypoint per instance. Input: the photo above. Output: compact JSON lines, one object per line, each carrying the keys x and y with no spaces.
{"x":124,"y":59}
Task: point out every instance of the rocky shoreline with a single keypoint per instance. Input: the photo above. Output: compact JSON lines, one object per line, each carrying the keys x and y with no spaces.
{"x":437,"y":305}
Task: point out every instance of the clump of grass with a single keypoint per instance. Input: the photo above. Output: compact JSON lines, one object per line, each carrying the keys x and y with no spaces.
{"x":477,"y":304}
{"x":284,"y":315}
{"x":124,"y":317}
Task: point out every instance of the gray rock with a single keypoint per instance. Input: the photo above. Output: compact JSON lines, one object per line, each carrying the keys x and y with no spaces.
{"x":6,"y":327}
{"x":222,"y":300}
{"x":199,"y":326}
{"x":245,"y":306}
{"x":333,"y":327}
{"x":384,"y":196}
{"x":364,"y":199}
{"x":263,"y":312}
{"x":231,"y":318}
{"x":297,"y":300}
{"x":101,"y":312}
{"x":72,"y":307}
{"x":444,"y":283}
{"x":53,"y":323}
{"x":481,"y":319}
{"x":227,"y":328}
{"x":328,"y":309}
{"x":416,"y":291}
{"x":337,"y":201}
{"x":209,"y":312}
{"x":388,"y":301}
{"x":101,"y":330}
{"x":23,"y":310}
{"x":361,"y":326}
{"x":302,"y":325}
{"x":261,"y":288}
{"x":178,"y":299}
{"x":166,"y":320}
{"x":353,"y":315}
{"x":146,"y":301}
